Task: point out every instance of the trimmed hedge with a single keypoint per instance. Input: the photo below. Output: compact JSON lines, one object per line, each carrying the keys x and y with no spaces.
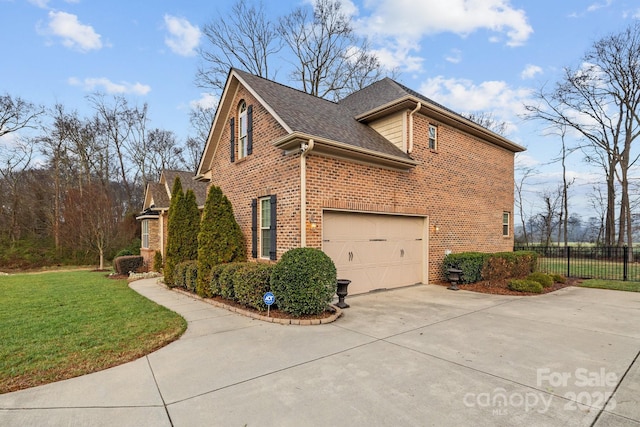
{"x":525,"y":285}
{"x":494,"y":267}
{"x":469,"y":262}
{"x":127,"y":264}
{"x":250,"y":282}
{"x":214,"y":289}
{"x":185,"y":275}
{"x":304,"y":281}
{"x":545,"y":280}
{"x":226,"y":281}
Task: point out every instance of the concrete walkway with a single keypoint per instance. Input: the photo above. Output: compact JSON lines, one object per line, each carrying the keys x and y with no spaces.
{"x":410,"y":357}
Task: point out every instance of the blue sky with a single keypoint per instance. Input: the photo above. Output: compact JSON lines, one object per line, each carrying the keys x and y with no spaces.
{"x":470,"y":55}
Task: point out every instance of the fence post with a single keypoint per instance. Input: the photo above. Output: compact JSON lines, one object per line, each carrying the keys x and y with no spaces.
{"x":568,"y":261}
{"x":625,"y":263}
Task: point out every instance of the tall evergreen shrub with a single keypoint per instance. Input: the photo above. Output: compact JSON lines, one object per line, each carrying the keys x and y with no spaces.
{"x":220,"y":239}
{"x":173,"y":233}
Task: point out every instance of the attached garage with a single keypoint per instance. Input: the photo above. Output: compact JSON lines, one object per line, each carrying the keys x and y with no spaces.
{"x":376,"y":251}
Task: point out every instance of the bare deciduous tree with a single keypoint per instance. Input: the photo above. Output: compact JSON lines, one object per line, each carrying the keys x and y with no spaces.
{"x":17,"y":114}
{"x":600,"y":100}
{"x":245,"y":39}
{"x":331,"y":61}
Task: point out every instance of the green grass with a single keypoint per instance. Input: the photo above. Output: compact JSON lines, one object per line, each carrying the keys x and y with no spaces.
{"x":589,"y":268}
{"x":60,"y":325}
{"x":615,"y":285}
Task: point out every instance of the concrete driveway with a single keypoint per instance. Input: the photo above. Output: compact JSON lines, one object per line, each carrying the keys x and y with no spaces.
{"x":416,"y":356}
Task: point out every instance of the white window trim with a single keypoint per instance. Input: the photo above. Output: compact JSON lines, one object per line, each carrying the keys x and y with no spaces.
{"x":242,"y":126}
{"x":264,"y":203}
{"x":145,"y":233}
{"x":435,"y":137}
{"x":507,"y":224}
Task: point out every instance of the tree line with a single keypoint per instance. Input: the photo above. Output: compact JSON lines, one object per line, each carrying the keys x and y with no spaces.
{"x":71,"y":185}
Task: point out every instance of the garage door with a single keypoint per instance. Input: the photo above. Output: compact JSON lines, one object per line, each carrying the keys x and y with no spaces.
{"x":375,"y":251}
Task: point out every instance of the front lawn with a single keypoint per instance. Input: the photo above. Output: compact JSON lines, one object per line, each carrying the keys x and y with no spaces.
{"x":60,"y":325}
{"x":616,"y":285}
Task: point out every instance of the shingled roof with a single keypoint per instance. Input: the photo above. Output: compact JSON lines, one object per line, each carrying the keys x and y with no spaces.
{"x":160,"y":192}
{"x":307,"y":114}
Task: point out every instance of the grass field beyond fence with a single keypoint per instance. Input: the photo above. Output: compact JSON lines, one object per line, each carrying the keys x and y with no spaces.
{"x":60,"y":325}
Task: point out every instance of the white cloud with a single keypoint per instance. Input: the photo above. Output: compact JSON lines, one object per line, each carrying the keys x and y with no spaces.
{"x":206,"y":100}
{"x":408,"y":19}
{"x":596,"y":6}
{"x":183,"y":38}
{"x":102,"y":83}
{"x":530,"y":71}
{"x":464,"y":96}
{"x":43,"y":4}
{"x":74,"y":34}
{"x":454,"y":56}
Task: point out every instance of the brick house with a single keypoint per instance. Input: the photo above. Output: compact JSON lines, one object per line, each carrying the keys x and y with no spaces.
{"x":386,"y":181}
{"x":153,"y":218}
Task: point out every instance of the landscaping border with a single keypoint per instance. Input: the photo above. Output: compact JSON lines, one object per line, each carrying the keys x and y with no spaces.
{"x":253,"y":315}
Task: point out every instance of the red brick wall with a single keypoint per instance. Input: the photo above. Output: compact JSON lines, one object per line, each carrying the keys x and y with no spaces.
{"x":265,"y":172}
{"x":464,"y":187}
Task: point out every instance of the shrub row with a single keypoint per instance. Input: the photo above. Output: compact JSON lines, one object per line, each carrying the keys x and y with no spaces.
{"x":535,"y":282}
{"x":498,"y":266}
{"x":303,"y":282}
{"x":185,"y":275}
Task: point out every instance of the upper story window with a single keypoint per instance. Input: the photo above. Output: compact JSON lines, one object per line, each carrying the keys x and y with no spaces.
{"x":505,"y":224}
{"x":242,"y":130}
{"x":433,"y":137}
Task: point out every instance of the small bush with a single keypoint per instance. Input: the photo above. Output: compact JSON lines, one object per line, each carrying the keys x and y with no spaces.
{"x":124,"y":252}
{"x":215,"y":289}
{"x":524,"y":285}
{"x":558,"y":278}
{"x":226,"y":280}
{"x":126,"y":264}
{"x":469,"y":262}
{"x":304,"y":281}
{"x":501,"y":266}
{"x":157,"y":261}
{"x":545,"y":280}
{"x":250,"y":282}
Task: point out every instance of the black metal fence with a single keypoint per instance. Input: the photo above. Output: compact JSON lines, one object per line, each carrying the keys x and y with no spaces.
{"x":597,"y":262}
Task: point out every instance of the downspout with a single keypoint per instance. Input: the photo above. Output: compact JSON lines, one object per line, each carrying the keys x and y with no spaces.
{"x":418,"y":107}
{"x":305,"y":149}
{"x":162,"y":249}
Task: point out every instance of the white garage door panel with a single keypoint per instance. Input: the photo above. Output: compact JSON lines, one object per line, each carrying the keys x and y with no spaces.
{"x":375,"y":251}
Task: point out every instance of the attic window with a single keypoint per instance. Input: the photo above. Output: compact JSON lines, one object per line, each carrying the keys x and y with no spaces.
{"x":433,"y":137}
{"x":242,"y":130}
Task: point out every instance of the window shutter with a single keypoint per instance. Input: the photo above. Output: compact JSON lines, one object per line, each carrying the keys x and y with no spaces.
{"x":232,"y":123}
{"x":249,"y":129}
{"x":272,"y":229}
{"x":254,"y":228}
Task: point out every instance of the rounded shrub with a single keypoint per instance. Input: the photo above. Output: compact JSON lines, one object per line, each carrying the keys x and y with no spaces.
{"x":544,"y":279}
{"x":558,"y":278}
{"x":525,"y":285}
{"x":250,"y":282}
{"x":304,"y":281}
{"x":157,"y":261}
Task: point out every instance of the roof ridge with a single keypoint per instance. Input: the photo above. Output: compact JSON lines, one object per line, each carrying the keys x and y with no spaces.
{"x":283,"y":85}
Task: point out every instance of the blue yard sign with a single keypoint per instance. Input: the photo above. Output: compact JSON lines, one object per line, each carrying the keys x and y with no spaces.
{"x":269,"y":299}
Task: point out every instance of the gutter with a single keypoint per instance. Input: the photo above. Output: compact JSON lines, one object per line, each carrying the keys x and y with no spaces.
{"x":305,"y":149}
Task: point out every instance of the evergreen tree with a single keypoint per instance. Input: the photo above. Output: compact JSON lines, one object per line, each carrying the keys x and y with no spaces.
{"x":173,"y":232}
{"x":190,"y":221}
{"x":220,"y":239}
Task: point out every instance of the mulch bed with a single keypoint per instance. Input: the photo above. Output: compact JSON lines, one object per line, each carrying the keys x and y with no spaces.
{"x":275,"y":312}
{"x":500,"y":288}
